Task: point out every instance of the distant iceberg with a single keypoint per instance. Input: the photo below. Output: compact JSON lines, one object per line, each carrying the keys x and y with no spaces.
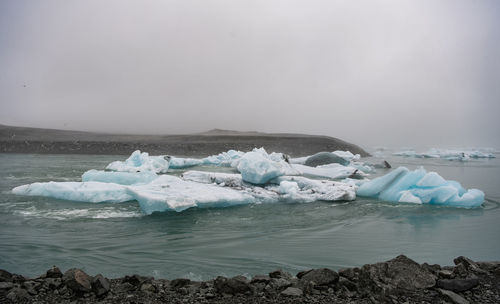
{"x":418,"y":186}
{"x":224,"y":159}
{"x":460,"y":154}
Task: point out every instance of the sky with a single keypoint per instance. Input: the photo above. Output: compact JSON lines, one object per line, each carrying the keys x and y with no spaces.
{"x":376,"y":73}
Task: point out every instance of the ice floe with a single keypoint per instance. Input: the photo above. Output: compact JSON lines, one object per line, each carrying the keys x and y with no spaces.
{"x":122,"y":178}
{"x":419,"y":186}
{"x":459,"y":154}
{"x":141,"y":162}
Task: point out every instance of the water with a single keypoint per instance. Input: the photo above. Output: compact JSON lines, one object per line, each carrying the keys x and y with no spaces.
{"x":116,"y":239}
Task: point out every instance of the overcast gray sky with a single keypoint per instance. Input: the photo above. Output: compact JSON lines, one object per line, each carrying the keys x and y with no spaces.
{"x":388,"y":73}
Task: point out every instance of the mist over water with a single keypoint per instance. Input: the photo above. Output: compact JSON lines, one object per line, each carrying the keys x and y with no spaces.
{"x":116,"y":239}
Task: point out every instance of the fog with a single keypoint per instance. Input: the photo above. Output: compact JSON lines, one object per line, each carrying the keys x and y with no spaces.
{"x":375,"y":73}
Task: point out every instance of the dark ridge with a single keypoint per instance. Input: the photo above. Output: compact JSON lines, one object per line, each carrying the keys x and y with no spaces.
{"x":52,"y":141}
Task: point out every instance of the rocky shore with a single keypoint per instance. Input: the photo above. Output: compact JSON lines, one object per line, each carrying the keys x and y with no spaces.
{"x":400,"y":280}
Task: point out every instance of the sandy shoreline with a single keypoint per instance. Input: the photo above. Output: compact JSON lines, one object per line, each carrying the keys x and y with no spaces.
{"x":33,"y":140}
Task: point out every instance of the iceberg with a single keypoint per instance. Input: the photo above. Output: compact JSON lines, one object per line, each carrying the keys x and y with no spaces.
{"x":422,"y":187}
{"x":224,"y":159}
{"x":90,"y":192}
{"x":181,"y":163}
{"x":333,"y":171}
{"x":324,"y":158}
{"x":141,"y":162}
{"x":459,"y":154}
{"x":259,"y":167}
{"x":121,"y":178}
{"x":171,"y":193}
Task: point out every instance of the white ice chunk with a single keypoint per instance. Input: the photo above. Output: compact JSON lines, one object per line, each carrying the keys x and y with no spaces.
{"x":333,"y":171}
{"x":313,"y":190}
{"x":122,"y":178}
{"x":402,"y":185}
{"x":258,"y":167}
{"x":141,"y":162}
{"x":287,"y":187}
{"x":172,"y":193}
{"x":92,"y":192}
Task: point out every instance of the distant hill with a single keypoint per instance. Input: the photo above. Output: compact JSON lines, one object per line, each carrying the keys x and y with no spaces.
{"x":37,"y":140}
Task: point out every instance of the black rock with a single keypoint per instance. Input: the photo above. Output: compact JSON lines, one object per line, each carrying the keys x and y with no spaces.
{"x":348,"y":284}
{"x":321,"y":277}
{"x":5,"y":276}
{"x":54,"y":272}
{"x":6,"y":285}
{"x":77,"y":280}
{"x":457,"y":285}
{"x":302,"y":273}
{"x":179,"y":283}
{"x":32,"y":287}
{"x":399,"y":273}
{"x":260,"y":279}
{"x":280,"y":274}
{"x":280,"y":284}
{"x":292,"y":292}
{"x":350,"y":273}
{"x":136,"y":280}
{"x":100,"y":285}
{"x":235,"y":285}
{"x":469,"y":264}
{"x":18,"y":295}
{"x":53,"y":283}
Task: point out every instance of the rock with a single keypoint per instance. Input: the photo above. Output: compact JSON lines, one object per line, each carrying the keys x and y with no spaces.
{"x":260,"y":279}
{"x":457,"y":299}
{"x":446,"y":274}
{"x":32,"y":287}
{"x":458,"y":285}
{"x":468,"y":263}
{"x":136,"y":280}
{"x":302,"y":273}
{"x":399,"y":273}
{"x":280,"y":274}
{"x":325,"y":158}
{"x":280,"y":284}
{"x":235,"y":285}
{"x":6,"y":285}
{"x":53,"y":283}
{"x":292,"y":292}
{"x":18,"y":295}
{"x":179,"y":283}
{"x":460,"y":271}
{"x":348,"y":284}
{"x":147,"y":287}
{"x":54,"y":272}
{"x":5,"y":276}
{"x":77,"y":280}
{"x":124,"y":288}
{"x":488,"y":266}
{"x":350,"y":273}
{"x":100,"y":285}
{"x":322,"y":276}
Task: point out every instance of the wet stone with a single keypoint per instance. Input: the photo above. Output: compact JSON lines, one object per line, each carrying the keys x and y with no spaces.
{"x":54,"y":272}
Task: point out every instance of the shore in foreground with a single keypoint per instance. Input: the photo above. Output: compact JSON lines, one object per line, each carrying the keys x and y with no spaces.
{"x":400,"y":280}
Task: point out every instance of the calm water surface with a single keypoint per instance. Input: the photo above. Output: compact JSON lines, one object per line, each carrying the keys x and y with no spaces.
{"x":116,"y":239}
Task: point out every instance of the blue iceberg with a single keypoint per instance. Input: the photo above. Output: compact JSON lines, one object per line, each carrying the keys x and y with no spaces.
{"x":418,"y":186}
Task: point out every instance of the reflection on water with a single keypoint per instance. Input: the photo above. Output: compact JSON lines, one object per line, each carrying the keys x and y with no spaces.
{"x":116,"y":239}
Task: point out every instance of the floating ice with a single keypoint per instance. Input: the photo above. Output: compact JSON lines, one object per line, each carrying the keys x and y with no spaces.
{"x":141,"y":162}
{"x":170,"y":193}
{"x":403,"y":185}
{"x":310,"y":190}
{"x":461,"y":154}
{"x":224,"y":159}
{"x":258,"y":167}
{"x":333,"y":171}
{"x":91,"y":192}
{"x":223,"y":179}
{"x":122,"y":178}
